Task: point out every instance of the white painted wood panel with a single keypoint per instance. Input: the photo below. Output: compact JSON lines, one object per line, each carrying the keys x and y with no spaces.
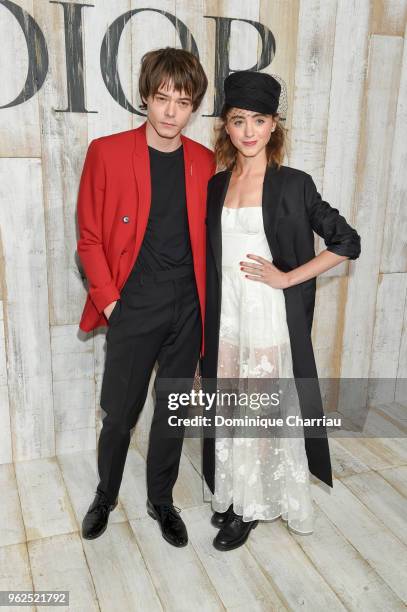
{"x":382,"y":499}
{"x":62,"y":158}
{"x":387,"y":337}
{"x":74,"y":389}
{"x":6,"y":454}
{"x":11,"y":520}
{"x":45,"y":505}
{"x":15,"y":572}
{"x":26,"y":308}
{"x":119,"y":571}
{"x":255,"y":592}
{"x":20,"y":125}
{"x":283,"y":561}
{"x":357,"y":585}
{"x":394,"y":250}
{"x":377,"y":137}
{"x":169,"y":566}
{"x":370,"y":537}
{"x":59,"y":564}
{"x":106,"y":115}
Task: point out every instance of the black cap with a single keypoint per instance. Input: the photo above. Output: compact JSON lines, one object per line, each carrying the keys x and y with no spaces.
{"x":255,"y":91}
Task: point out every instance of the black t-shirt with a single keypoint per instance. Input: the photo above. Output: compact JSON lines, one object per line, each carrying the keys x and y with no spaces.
{"x":166,"y":243}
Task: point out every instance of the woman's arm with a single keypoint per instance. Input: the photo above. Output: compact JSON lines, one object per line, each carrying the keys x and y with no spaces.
{"x":265,"y":271}
{"x":342,"y":242}
{"x":319,"y":264}
{"x":327,"y":222}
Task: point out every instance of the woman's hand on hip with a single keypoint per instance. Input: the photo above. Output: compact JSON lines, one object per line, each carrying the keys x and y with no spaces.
{"x":264,"y":271}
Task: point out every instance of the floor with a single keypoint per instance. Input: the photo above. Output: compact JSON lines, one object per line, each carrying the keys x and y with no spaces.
{"x":355,"y":560}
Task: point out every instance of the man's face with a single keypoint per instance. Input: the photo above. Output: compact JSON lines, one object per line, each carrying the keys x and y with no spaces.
{"x":168,"y":111}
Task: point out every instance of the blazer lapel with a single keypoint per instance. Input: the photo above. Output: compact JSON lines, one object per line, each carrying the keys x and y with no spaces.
{"x":141,"y":167}
{"x":191,"y":191}
{"x":271,"y":208}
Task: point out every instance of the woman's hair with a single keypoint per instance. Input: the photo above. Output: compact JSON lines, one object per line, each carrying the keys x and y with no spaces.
{"x":181,"y":67}
{"x":226,"y":152}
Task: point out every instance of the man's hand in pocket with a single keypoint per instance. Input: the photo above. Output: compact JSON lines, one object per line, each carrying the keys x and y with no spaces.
{"x":109,"y":308}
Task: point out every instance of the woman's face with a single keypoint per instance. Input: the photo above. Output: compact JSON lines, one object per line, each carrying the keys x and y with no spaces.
{"x":249,"y":131}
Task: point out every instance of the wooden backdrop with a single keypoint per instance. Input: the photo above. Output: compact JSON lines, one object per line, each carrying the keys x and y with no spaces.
{"x":343,"y":64}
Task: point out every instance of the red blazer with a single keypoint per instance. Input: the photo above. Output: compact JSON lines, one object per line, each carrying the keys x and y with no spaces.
{"x":113,"y":207}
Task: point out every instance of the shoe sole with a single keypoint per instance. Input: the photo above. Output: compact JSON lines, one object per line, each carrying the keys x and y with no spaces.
{"x":154,"y":516}
{"x":232,"y":547}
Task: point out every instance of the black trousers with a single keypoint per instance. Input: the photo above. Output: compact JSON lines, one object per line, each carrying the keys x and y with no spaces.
{"x":156,"y":319}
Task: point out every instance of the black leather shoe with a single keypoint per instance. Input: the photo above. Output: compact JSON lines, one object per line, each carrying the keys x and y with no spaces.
{"x":219,"y":518}
{"x":95,"y":520}
{"x":234,"y":532}
{"x":172,"y":526}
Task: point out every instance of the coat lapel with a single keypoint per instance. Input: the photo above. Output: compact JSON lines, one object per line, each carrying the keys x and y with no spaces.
{"x":273,"y":189}
{"x":214,"y":215}
{"x":271,"y":207}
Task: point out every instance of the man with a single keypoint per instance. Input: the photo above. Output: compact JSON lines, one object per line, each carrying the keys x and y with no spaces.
{"x":141,"y":214}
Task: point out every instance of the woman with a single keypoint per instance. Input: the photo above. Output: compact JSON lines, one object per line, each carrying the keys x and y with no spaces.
{"x":261,"y":270}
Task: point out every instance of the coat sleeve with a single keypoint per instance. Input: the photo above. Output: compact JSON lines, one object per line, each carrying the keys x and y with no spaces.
{"x":327,"y":222}
{"x":102,"y":289}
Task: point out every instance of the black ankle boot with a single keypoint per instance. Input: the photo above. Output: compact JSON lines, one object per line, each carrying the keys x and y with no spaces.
{"x":219,"y":518}
{"x":172,"y":526}
{"x":97,"y":516}
{"x":234,"y":532}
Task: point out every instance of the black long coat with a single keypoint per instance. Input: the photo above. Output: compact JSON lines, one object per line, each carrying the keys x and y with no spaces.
{"x":292,"y":210}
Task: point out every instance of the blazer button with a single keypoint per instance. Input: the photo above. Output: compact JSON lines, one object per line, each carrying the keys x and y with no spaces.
{"x":125,"y":219}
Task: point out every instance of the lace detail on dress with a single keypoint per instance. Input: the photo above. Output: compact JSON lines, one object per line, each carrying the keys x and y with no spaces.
{"x":266,"y":477}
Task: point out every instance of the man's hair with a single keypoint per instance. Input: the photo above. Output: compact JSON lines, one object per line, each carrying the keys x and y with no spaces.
{"x":172,"y":66}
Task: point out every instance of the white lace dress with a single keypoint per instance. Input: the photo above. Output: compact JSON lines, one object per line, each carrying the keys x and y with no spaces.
{"x":265,"y":477}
